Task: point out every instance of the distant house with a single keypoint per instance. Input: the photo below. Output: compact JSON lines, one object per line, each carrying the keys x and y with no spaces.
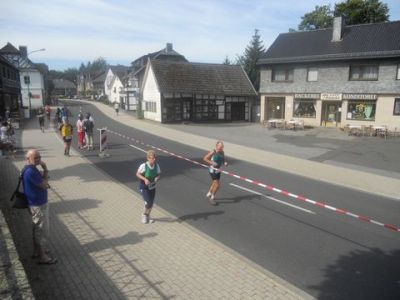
{"x":114,"y":84}
{"x":181,"y":91}
{"x":63,"y":87}
{"x":31,"y":76}
{"x":98,"y":84}
{"x":335,"y":76}
{"x":168,"y":53}
{"x":10,"y":89}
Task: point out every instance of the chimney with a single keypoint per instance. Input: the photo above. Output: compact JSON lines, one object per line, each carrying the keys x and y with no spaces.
{"x":337,"y":31}
{"x":168,"y":49}
{"x":23,"y":50}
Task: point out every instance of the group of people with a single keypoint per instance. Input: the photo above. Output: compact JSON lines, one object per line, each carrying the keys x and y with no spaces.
{"x":7,"y":137}
{"x":84,"y":128}
{"x":35,"y":182}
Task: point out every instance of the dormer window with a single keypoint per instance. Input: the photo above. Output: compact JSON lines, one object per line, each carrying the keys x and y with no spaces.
{"x":363,"y":72}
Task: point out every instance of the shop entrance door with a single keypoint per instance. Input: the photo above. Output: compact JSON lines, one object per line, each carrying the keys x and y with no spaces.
{"x":331,"y":114}
{"x":275,"y":108}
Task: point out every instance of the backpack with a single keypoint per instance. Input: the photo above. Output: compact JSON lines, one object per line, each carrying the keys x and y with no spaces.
{"x":21,"y":201}
{"x":88,"y":126}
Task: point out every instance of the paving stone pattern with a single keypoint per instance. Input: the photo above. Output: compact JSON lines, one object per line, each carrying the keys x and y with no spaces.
{"x":105,"y":252}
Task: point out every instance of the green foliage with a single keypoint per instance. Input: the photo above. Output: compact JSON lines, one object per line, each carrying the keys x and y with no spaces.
{"x":226,"y":61}
{"x":320,"y":17}
{"x":354,"y":12}
{"x":249,"y":59}
{"x":362,"y":11}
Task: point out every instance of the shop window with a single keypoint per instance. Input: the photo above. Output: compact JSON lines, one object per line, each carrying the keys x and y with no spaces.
{"x":312,"y":74}
{"x":304,"y":108}
{"x":366,"y":72}
{"x":396,"y":109}
{"x":361,"y":110}
{"x":282,"y":74}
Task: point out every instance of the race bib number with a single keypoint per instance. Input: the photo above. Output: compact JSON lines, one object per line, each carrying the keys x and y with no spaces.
{"x":152,"y":185}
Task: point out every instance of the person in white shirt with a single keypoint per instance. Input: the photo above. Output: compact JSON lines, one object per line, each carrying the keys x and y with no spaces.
{"x":116,"y":107}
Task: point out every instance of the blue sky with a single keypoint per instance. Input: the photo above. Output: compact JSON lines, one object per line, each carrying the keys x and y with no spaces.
{"x":122,"y":30}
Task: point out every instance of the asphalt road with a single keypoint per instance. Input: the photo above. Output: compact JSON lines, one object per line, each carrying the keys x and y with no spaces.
{"x":327,"y":255}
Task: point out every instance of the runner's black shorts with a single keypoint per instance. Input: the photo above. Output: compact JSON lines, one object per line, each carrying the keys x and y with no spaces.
{"x":215,"y":176}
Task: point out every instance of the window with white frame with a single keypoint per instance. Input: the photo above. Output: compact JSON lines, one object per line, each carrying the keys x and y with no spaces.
{"x":363,"y":72}
{"x":282,"y":74}
{"x":396,"y":109}
{"x":398,"y":72}
{"x":151,"y":106}
{"x":312,"y":74}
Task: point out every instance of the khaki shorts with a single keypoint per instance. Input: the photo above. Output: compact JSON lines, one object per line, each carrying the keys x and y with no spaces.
{"x":40,"y":222}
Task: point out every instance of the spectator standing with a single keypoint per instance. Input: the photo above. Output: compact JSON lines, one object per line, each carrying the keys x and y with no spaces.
{"x":88,"y":126}
{"x":35,"y":184}
{"x":47,"y":110}
{"x":116,"y":107}
{"x":40,"y":115}
{"x":79,"y":130}
{"x":58,"y":117}
{"x":7,"y":114}
{"x":148,"y":173}
{"x":66,"y":133}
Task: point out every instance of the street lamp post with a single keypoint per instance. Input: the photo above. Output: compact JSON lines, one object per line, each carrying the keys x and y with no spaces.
{"x":38,"y":50}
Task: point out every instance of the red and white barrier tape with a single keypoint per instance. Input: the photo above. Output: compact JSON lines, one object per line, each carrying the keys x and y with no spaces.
{"x":271,"y":188}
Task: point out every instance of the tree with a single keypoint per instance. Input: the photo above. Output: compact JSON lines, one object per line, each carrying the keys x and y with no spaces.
{"x":362,"y":11}
{"x":249,"y":59}
{"x":320,"y":17}
{"x":71,"y":74}
{"x":226,"y":61}
{"x":353,"y":11}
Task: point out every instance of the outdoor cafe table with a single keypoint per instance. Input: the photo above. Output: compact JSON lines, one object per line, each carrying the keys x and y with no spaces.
{"x":273,"y":122}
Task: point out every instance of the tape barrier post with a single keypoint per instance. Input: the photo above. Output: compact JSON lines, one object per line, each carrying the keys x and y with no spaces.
{"x":103,"y":142}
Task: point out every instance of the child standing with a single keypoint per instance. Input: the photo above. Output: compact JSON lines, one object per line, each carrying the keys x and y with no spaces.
{"x":148,"y":173}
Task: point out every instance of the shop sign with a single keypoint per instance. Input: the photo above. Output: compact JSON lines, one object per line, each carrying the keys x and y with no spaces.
{"x":360,"y":96}
{"x":331,"y":96}
{"x":306,"y":96}
{"x":35,"y":96}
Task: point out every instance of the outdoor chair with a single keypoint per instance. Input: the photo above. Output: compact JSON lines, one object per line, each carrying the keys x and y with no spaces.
{"x":382,"y":133}
{"x":394,"y":133}
{"x":299,"y":124}
{"x":366,"y":130}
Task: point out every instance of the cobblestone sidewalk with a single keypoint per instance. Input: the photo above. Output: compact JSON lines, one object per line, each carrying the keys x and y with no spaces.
{"x":105,"y":252}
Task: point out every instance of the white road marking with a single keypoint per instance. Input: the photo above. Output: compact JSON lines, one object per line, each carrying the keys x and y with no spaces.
{"x":140,"y":149}
{"x":272,"y":198}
